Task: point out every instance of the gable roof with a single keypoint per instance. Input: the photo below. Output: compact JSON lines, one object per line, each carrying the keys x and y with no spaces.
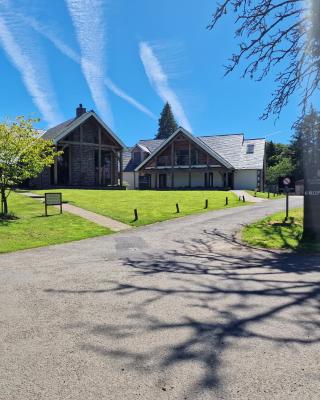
{"x":58,"y":132}
{"x":232,"y":147}
{"x":194,"y":139}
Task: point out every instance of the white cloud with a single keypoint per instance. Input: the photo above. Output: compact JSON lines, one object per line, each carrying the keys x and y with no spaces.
{"x":89,"y":22}
{"x":70,"y":53}
{"x":32,"y":66}
{"x":159,"y":81}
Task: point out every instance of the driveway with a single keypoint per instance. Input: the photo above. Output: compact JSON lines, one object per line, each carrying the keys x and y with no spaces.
{"x":176,"y":310}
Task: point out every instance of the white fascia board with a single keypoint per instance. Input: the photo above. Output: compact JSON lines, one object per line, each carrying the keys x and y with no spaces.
{"x":143,"y":148}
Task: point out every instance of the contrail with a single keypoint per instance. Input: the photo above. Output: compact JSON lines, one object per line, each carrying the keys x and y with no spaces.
{"x":159,"y":81}
{"x":74,"y":56}
{"x":33,"y":70}
{"x":89,"y":23}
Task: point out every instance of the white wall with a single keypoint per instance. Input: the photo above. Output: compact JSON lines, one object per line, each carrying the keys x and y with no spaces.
{"x":181,"y":179}
{"x":245,"y":179}
{"x":128,"y":180}
{"x":217,"y":179}
{"x":197,"y":179}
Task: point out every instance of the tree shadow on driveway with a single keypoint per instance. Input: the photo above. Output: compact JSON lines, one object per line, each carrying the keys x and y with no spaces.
{"x":213,"y":295}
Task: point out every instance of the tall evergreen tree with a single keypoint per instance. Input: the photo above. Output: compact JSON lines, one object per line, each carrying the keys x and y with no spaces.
{"x":305,"y":145}
{"x":167,"y":123}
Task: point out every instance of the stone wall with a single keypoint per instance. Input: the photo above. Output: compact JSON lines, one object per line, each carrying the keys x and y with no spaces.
{"x":41,"y":181}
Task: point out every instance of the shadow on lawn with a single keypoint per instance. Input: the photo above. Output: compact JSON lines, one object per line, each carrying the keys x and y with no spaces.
{"x":290,"y":234}
{"x":220,"y":294}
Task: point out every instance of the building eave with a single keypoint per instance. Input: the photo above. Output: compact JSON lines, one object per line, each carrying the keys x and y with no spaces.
{"x":198,"y":142}
{"x":80,"y":120}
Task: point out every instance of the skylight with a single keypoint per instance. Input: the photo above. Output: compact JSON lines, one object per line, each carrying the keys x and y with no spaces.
{"x":250,"y":148}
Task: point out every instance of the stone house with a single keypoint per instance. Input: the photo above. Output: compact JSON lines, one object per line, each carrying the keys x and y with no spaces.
{"x":92,"y":154}
{"x":205,"y":162}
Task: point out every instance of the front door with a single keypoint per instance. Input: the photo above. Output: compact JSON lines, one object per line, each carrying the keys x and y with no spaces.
{"x":162,"y":181}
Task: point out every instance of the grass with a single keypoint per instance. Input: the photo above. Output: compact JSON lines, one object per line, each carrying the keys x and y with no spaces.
{"x":264,"y":195}
{"x":273,"y":233}
{"x":153,"y":206}
{"x":32,"y":229}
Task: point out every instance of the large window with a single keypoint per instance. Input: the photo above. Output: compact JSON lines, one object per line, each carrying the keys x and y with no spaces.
{"x":182,"y":157}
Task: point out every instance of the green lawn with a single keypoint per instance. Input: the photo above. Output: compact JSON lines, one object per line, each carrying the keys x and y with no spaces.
{"x":272,"y":232}
{"x":32,"y":229}
{"x":153,"y":206}
{"x":264,"y":195}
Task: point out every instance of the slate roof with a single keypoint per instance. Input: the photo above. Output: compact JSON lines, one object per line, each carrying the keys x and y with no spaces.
{"x":233,"y":148}
{"x":54,"y":132}
{"x":151,"y":144}
{"x":228,"y":146}
{"x":255,"y":160}
{"x":128,"y":164}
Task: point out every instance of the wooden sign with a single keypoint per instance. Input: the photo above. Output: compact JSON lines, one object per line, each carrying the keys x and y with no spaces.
{"x":52,"y":199}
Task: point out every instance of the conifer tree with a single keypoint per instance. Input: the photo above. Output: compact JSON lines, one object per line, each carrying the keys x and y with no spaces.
{"x":167,"y":123}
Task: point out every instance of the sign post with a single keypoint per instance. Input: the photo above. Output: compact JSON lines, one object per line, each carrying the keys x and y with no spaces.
{"x":52,"y":199}
{"x":286,"y":183}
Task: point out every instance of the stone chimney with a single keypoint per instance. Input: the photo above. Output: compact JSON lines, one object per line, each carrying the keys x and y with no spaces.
{"x":80,"y":110}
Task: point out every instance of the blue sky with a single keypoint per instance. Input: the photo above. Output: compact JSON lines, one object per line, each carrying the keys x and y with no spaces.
{"x":124,"y":59}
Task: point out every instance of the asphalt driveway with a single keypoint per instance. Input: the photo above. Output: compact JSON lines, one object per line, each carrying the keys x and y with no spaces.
{"x":176,"y":310}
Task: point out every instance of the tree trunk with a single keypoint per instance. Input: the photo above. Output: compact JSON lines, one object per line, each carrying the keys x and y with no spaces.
{"x":4,"y":203}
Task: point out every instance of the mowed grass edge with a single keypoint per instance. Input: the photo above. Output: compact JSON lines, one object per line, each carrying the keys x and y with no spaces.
{"x":153,"y":206}
{"x":272,"y":233}
{"x":264,"y":195}
{"x":32,"y":229}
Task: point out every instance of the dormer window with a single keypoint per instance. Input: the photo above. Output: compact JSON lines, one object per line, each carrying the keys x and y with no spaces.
{"x":250,"y":148}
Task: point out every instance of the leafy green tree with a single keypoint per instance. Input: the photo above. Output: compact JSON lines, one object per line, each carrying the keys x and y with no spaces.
{"x":23,"y":155}
{"x":167,"y":123}
{"x":279,"y":161}
{"x":282,"y":168}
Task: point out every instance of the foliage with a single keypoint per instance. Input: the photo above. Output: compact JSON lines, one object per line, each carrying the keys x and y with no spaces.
{"x":31,"y":229}
{"x":279,"y":161}
{"x":283,"y":36}
{"x":167,"y":123}
{"x":23,"y":155}
{"x":272,"y":232}
{"x":282,"y":168}
{"x":152,"y":205}
{"x":306,"y":145}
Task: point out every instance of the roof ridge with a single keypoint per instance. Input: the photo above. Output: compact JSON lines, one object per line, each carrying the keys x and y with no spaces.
{"x":223,"y":134}
{"x":262,"y":138}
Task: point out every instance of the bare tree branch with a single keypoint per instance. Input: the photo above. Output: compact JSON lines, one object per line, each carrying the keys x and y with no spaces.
{"x":281,"y":36}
